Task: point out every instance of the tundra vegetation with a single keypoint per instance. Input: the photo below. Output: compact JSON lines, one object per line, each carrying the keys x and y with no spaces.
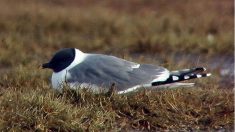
{"x":174,"y":34}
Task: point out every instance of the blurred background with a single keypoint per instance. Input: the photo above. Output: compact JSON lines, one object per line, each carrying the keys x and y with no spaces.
{"x":174,"y":34}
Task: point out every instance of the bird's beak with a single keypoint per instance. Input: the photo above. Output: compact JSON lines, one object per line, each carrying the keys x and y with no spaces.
{"x":45,"y":65}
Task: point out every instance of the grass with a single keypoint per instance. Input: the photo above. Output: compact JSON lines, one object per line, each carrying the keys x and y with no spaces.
{"x":40,"y":108}
{"x":142,"y":31}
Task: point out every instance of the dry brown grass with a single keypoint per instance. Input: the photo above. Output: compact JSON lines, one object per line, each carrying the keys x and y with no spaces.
{"x":142,"y":31}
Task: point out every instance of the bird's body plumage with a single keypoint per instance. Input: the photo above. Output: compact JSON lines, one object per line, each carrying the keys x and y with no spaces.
{"x":105,"y":70}
{"x":97,"y":71}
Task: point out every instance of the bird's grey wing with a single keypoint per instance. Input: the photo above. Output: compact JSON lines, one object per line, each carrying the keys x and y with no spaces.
{"x":103,"y":71}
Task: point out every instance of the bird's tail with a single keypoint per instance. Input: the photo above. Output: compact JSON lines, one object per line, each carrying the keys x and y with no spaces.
{"x":181,"y":75}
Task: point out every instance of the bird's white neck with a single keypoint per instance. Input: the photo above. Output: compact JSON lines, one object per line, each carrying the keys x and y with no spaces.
{"x":79,"y":57}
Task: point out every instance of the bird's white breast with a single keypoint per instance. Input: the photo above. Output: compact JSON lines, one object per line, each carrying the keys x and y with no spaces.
{"x":58,"y":78}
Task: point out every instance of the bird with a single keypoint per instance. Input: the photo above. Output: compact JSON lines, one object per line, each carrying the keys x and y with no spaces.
{"x":100,"y":72}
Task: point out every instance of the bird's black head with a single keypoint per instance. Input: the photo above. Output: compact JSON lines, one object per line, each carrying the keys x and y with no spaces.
{"x":62,"y":59}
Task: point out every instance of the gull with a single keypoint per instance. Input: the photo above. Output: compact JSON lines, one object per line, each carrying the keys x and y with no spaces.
{"x":100,"y":72}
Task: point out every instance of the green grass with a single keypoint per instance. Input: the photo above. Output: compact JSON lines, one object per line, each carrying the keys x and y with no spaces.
{"x":143,"y":31}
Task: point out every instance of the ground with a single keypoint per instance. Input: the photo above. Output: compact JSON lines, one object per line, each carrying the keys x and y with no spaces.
{"x":174,"y":34}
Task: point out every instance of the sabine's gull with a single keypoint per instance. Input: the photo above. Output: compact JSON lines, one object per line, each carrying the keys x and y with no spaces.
{"x":98,"y":71}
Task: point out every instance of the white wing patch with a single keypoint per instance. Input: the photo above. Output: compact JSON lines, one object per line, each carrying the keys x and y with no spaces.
{"x":135,"y":66}
{"x":175,"y":78}
{"x":162,"y":77}
{"x":198,"y":76}
{"x":186,"y":77}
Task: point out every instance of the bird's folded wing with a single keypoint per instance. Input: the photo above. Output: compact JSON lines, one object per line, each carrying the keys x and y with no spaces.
{"x":103,"y":71}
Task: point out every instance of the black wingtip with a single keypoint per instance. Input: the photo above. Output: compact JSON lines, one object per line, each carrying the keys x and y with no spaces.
{"x":177,"y":78}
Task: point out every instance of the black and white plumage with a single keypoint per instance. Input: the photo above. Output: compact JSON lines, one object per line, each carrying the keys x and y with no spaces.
{"x":98,"y":71}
